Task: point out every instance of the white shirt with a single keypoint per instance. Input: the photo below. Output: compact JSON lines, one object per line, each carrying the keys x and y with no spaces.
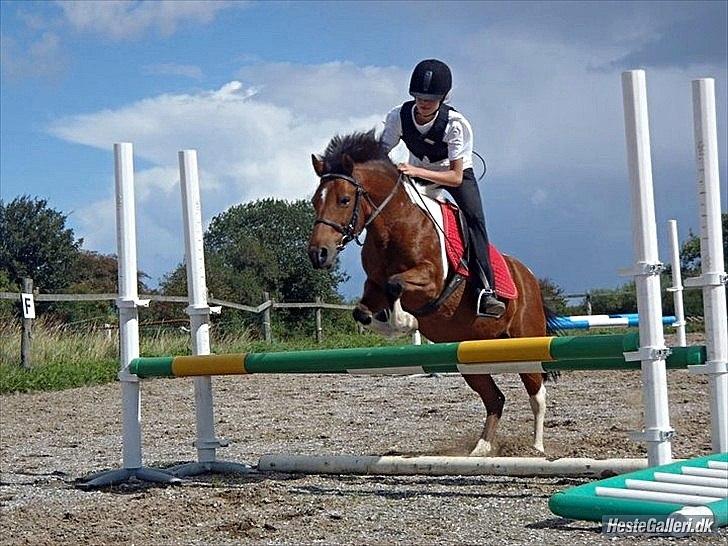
{"x":458,"y":136}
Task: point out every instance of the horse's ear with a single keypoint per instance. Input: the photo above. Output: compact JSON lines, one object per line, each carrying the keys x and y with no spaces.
{"x":348,"y":163}
{"x":318,"y":165}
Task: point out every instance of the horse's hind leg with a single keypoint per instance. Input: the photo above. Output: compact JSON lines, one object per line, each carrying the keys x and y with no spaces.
{"x":494,"y":401}
{"x":537,"y":396}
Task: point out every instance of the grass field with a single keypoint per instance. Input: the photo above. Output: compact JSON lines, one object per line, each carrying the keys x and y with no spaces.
{"x":63,"y":358}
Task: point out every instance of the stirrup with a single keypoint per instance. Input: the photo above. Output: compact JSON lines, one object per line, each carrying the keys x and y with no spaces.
{"x":492,"y":307}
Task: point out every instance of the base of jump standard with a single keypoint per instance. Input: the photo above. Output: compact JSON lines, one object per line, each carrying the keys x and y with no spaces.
{"x":398,"y":465}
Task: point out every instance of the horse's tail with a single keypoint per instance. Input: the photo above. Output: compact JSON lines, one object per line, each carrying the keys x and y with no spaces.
{"x":554,"y":328}
{"x":553,"y":324}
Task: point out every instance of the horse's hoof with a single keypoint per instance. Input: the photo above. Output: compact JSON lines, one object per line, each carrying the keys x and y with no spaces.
{"x":361,"y":316}
{"x":482,"y":449}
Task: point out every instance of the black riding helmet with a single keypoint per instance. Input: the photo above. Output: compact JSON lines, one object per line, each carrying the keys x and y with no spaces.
{"x":431,"y":80}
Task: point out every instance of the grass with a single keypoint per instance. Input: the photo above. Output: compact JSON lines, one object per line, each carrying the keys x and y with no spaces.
{"x":63,"y":358}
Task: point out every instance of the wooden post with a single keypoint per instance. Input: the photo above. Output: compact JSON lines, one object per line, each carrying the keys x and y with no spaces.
{"x":25,"y":341}
{"x":266,"y":319}
{"x":319,"y":330}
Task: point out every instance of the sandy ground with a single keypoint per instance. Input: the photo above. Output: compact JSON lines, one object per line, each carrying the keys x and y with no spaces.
{"x":50,"y":440}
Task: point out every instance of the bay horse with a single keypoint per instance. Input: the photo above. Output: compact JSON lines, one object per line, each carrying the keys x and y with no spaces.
{"x":360,"y":188}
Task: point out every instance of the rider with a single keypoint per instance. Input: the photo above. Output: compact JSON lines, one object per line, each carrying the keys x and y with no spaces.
{"x":440,"y":144}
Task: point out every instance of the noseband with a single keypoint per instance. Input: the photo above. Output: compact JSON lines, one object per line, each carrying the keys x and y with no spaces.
{"x":349,"y":232}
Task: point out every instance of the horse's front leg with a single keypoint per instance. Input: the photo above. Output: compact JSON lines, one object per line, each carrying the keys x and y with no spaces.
{"x":420,"y":282}
{"x":372,"y":300}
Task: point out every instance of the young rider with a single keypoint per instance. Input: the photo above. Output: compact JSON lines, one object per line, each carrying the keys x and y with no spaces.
{"x":440,"y":143}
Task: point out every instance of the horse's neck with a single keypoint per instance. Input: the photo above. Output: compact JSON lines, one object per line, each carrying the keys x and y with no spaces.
{"x":401,"y":217}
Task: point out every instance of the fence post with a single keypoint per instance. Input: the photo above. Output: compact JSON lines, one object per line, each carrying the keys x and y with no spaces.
{"x":319,"y":330}
{"x":27,"y":338}
{"x":266,"y":319}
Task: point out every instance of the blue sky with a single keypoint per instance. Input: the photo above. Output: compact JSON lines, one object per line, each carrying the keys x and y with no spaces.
{"x":256,"y":87}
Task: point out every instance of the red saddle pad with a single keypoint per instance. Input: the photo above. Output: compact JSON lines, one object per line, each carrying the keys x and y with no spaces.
{"x":455,"y":248}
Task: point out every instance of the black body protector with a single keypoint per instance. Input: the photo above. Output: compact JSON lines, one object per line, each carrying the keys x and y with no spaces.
{"x":429,"y":145}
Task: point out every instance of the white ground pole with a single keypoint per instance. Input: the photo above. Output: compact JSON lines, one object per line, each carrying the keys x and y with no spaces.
{"x":398,"y":465}
{"x":128,"y":331}
{"x":677,"y":287}
{"x":199,"y":313}
{"x":657,"y":431}
{"x":713,"y":277}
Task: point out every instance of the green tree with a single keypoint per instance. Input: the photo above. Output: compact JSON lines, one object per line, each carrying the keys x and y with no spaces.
{"x":35,"y":242}
{"x":553,"y":296}
{"x":262,"y":246}
{"x":95,"y":274}
{"x":690,"y":250}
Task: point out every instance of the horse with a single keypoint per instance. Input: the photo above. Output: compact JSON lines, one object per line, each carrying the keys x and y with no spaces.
{"x":361,"y":189}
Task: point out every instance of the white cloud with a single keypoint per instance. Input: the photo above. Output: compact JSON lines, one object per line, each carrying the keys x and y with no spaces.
{"x":547,"y":124}
{"x":250,"y":143}
{"x":41,"y":58}
{"x":123,"y":19}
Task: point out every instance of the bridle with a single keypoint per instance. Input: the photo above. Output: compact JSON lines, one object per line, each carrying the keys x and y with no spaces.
{"x":349,"y":231}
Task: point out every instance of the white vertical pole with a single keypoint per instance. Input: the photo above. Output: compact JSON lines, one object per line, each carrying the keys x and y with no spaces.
{"x":677,"y":288}
{"x":713,"y":275}
{"x":652,"y":351}
{"x":198,"y":309}
{"x":127,"y":304}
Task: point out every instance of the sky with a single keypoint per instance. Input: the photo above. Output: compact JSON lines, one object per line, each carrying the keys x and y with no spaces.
{"x":257,"y":87}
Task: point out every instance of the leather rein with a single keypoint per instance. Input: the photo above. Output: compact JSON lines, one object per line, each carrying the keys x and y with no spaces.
{"x":349,"y":232}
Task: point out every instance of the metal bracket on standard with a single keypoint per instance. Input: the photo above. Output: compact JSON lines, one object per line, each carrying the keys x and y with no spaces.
{"x":131,"y":303}
{"x":648,"y":353}
{"x":125,"y":377}
{"x":653,"y":435}
{"x":711,"y":278}
{"x":713,"y":367}
{"x":213,"y":443}
{"x":203,"y":310}
{"x":643,"y":269}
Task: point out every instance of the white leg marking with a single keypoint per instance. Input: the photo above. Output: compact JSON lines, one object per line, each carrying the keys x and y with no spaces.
{"x":538,"y":406}
{"x":484,"y":447}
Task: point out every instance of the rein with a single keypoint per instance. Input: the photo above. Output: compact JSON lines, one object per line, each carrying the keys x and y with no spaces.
{"x":349,"y":231}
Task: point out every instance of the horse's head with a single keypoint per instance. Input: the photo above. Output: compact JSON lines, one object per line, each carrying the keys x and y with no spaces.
{"x":338,"y":203}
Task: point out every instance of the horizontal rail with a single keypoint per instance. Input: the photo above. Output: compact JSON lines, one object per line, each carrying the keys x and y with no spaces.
{"x":521,"y":355}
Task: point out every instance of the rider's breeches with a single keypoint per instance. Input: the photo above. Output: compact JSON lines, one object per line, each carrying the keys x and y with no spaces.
{"x":467,"y":197}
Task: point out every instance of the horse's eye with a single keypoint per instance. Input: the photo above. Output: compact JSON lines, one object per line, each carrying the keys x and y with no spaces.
{"x":345,"y":200}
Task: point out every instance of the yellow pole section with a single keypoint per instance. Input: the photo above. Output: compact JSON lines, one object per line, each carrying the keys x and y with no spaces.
{"x":209,"y":365}
{"x":505,"y":350}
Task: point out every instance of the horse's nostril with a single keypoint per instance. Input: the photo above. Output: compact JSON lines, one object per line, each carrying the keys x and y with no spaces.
{"x":323,"y":254}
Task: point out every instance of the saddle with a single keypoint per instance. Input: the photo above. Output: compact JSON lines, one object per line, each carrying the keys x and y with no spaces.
{"x":450,"y":226}
{"x":457,"y":252}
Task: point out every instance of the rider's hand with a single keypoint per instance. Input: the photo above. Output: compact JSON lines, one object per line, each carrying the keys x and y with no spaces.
{"x":409,"y":170}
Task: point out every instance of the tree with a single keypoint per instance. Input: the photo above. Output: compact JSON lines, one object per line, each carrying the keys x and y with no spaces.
{"x":35,"y":242}
{"x":690,"y":250}
{"x":95,"y":274}
{"x":553,"y":296}
{"x":262,"y":247}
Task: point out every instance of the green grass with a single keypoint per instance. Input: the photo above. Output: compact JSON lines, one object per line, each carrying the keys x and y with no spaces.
{"x":63,"y":359}
{"x":56,"y":376}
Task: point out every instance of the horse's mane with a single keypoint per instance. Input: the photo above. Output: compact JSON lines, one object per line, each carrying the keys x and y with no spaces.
{"x":360,"y":146}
